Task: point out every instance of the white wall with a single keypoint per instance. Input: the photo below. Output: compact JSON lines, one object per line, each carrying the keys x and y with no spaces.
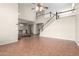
{"x":63,"y":28}
{"x":26,"y":12}
{"x":8,"y":21}
{"x":77,"y":22}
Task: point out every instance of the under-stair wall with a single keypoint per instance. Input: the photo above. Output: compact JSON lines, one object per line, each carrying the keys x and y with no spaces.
{"x":63,"y":28}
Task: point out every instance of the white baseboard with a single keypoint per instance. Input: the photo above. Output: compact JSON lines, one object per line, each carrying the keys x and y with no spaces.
{"x":4,"y":43}
{"x":77,"y":42}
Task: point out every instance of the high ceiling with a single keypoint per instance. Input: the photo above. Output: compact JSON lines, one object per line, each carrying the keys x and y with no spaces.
{"x":52,"y":6}
{"x":26,"y":8}
{"x":58,"y":6}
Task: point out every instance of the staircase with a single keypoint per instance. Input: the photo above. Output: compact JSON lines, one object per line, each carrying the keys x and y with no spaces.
{"x":63,"y":27}
{"x":51,"y":19}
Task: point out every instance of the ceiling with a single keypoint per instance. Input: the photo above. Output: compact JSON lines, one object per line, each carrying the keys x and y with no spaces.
{"x":52,"y":6}
{"x":57,"y":7}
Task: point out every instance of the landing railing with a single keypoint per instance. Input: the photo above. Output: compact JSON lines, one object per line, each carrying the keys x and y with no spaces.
{"x":52,"y":19}
{"x":46,"y":23}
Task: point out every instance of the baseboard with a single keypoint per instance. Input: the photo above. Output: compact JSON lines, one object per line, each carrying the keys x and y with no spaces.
{"x":77,"y":43}
{"x":57,"y":38}
{"x":10,"y":42}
